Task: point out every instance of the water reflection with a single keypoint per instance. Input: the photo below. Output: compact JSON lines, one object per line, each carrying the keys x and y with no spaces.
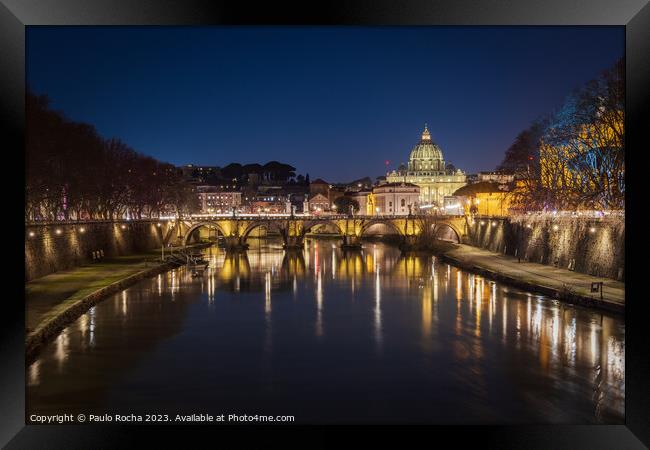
{"x":373,"y":321}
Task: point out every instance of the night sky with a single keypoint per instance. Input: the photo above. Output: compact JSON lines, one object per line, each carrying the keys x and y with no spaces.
{"x":335,"y":102}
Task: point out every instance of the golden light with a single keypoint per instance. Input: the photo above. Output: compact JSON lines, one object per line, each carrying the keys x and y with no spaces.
{"x":494,"y":224}
{"x":32,"y":234}
{"x":158,"y":224}
{"x":592,"y":230}
{"x":482,"y":222}
{"x":555,"y":227}
{"x":82,"y":230}
{"x":123,"y":226}
{"x":58,"y":231}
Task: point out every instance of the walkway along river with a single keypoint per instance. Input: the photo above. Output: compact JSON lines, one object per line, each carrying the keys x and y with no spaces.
{"x":330,"y":336}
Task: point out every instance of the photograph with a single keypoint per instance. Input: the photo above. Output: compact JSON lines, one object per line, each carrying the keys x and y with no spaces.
{"x":325,"y":225}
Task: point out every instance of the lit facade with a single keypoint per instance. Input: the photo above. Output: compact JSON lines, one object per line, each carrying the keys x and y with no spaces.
{"x":318,"y":203}
{"x":213,"y":200}
{"x":366,"y":201}
{"x":398,"y":199}
{"x":427,"y":170}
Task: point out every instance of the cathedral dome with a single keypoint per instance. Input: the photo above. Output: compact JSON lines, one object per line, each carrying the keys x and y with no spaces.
{"x":426,"y":155}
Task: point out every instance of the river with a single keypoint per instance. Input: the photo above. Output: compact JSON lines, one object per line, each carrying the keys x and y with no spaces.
{"x":329,"y":336}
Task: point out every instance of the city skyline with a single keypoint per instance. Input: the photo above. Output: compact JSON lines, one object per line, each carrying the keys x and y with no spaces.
{"x":333,"y":102}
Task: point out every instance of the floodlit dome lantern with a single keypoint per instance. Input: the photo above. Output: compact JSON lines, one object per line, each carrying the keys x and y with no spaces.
{"x":426,"y":155}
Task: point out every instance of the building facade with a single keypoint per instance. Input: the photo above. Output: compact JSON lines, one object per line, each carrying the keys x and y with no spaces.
{"x":427,"y":170}
{"x":216,"y":201}
{"x":318,"y":203}
{"x":366,"y":201}
{"x":399,"y":199}
{"x":485,"y":198}
{"x":497,"y":177}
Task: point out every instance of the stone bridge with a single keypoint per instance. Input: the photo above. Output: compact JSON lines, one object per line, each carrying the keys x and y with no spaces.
{"x":236,"y":230}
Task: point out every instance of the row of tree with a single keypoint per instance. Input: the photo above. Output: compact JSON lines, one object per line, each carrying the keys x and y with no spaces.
{"x":72,"y":173}
{"x":575,"y":158}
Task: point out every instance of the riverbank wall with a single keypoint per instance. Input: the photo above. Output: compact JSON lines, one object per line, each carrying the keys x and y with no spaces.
{"x":555,"y":290}
{"x":593,"y":246}
{"x":53,"y":247}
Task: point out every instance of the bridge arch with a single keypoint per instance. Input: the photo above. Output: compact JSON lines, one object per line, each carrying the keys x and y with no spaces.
{"x":446,"y":232}
{"x":198,"y":225}
{"x":387,"y":222}
{"x":270,"y":225}
{"x":307,"y":226}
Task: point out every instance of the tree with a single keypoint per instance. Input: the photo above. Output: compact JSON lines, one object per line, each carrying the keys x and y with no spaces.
{"x":278,"y":172}
{"x":73,"y":173}
{"x":524,"y":151}
{"x":344,"y":203}
{"x":581,"y":150}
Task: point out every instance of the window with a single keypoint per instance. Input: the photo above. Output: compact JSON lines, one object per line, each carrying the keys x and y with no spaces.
{"x":403,"y":202}
{"x":390,"y":204}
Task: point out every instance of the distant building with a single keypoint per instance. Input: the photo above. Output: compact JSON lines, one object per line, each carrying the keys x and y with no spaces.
{"x":214,"y":200}
{"x":396,"y":198}
{"x":427,"y":169}
{"x":319,"y":203}
{"x":319,"y":186}
{"x":472,"y":178}
{"x":486,"y":198}
{"x":200,"y":174}
{"x":270,"y":202}
{"x":366,"y":201}
{"x":497,"y":177}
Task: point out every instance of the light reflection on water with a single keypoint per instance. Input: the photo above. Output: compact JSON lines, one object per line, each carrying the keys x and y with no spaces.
{"x":337,"y":336}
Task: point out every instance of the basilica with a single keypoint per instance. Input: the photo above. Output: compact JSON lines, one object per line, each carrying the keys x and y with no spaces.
{"x":426,"y":169}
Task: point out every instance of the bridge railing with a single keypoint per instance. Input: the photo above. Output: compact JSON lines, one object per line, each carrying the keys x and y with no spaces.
{"x":239,"y":217}
{"x":88,"y":221}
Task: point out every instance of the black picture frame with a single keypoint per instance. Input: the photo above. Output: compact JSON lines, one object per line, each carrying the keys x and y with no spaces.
{"x":634,"y":15}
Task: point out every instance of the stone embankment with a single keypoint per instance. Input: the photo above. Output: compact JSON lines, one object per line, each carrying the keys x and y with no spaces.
{"x":559,"y":283}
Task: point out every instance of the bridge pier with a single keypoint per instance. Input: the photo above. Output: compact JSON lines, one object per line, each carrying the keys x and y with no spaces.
{"x":293,"y":242}
{"x":409,"y":242}
{"x":235,"y":243}
{"x":351,"y":241}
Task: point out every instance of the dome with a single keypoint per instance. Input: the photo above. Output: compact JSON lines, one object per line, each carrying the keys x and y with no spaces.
{"x":426,"y":155}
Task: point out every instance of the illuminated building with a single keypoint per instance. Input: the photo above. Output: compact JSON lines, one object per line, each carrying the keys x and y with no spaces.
{"x":215,"y":200}
{"x":485,"y":198}
{"x":427,"y":170}
{"x":396,"y":198}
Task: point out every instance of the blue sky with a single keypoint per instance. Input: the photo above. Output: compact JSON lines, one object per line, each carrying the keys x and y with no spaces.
{"x":335,"y":102}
